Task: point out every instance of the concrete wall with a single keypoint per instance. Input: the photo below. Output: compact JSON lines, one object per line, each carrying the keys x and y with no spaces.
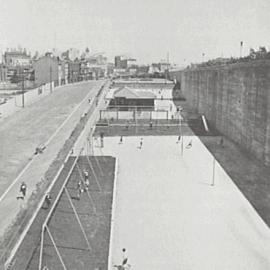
{"x":236,"y":100}
{"x":14,"y":104}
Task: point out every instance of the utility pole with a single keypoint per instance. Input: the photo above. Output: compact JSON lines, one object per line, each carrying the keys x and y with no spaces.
{"x":23,"y":91}
{"x":50,"y":78}
{"x":241,"y":48}
{"x":181,"y":133}
{"x":22,"y":72}
{"x":167,"y":70}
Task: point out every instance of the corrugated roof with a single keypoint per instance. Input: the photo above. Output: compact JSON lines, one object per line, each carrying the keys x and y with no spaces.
{"x":129,"y":93}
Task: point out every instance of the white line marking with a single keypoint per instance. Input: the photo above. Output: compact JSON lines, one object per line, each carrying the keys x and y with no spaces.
{"x":113,"y":215}
{"x":48,"y":141}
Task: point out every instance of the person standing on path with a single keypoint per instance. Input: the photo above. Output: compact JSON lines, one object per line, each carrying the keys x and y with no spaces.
{"x":141,"y":143}
{"x":86,"y":179}
{"x":23,"y":189}
{"x":48,"y":200}
{"x":121,"y":139}
{"x":125,"y":257}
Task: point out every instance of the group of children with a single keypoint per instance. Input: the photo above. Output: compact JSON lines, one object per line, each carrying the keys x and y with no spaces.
{"x":140,"y":144}
{"x":124,"y":265}
{"x":83,"y":186}
{"x":23,"y":189}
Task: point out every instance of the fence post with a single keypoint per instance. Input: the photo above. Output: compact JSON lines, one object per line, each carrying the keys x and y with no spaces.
{"x":56,"y":249}
{"x":41,"y":247}
{"x":78,"y":219}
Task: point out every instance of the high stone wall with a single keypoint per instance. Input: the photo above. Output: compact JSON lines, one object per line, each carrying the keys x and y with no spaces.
{"x":235,"y":99}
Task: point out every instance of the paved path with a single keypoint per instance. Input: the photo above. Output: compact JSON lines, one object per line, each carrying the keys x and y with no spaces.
{"x":23,"y":131}
{"x":168,"y":216}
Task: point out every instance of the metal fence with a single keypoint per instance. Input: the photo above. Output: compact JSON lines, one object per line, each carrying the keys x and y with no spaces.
{"x":133,"y":114}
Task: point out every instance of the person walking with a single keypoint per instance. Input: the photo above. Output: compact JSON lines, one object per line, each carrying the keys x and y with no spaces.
{"x":48,"y":200}
{"x":23,"y":189}
{"x":79,"y":189}
{"x":125,"y":257}
{"x":178,"y":139}
{"x":124,"y":265}
{"x":86,"y":180}
{"x":121,"y":139}
{"x":141,"y":143}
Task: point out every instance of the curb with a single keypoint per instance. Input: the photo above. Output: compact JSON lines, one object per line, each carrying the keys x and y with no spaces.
{"x":113,"y":214}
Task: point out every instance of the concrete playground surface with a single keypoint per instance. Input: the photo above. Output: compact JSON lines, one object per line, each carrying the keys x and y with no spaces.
{"x":168,"y":215}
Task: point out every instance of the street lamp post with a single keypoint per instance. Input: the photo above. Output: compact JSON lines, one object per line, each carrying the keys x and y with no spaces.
{"x":180,"y":132}
{"x":213,"y":172}
{"x":50,"y":79}
{"x":23,"y":89}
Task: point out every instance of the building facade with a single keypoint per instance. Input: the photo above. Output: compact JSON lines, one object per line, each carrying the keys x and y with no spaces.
{"x":73,"y":71}
{"x":46,"y":70}
{"x":125,"y":99}
{"x":16,"y":58}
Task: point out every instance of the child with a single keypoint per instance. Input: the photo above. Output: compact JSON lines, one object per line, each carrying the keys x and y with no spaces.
{"x":79,"y":189}
{"x":48,"y":200}
{"x":23,"y":189}
{"x":141,"y":143}
{"x":189,"y":145}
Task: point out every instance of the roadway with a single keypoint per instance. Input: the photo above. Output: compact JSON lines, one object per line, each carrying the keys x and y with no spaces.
{"x":22,"y":132}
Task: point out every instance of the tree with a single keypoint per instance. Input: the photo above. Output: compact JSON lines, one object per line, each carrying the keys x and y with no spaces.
{"x":262,"y":50}
{"x":252,"y":53}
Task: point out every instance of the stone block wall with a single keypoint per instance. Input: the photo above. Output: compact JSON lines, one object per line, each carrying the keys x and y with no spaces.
{"x":236,"y":100}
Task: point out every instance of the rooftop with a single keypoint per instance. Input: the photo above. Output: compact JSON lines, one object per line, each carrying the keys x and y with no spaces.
{"x":129,"y":93}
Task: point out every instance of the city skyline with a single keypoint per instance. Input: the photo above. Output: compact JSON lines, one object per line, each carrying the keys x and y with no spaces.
{"x":145,"y":30}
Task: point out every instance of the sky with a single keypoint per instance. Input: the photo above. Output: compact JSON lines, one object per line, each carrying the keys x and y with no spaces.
{"x":147,"y":30}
